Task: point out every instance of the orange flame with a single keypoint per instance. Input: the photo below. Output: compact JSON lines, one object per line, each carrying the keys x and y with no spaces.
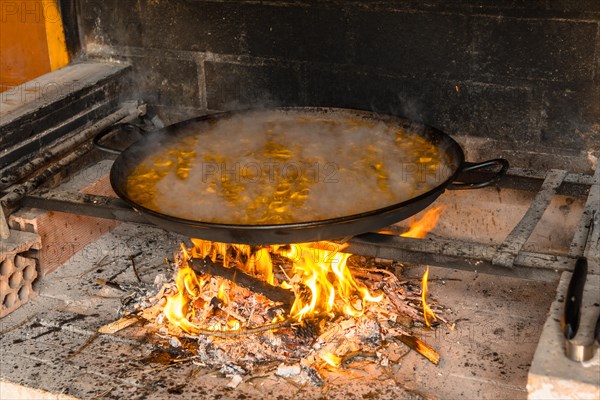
{"x":331,"y":359}
{"x":427,"y":311}
{"x":325,"y":274}
{"x":419,"y":228}
{"x":320,"y":278}
{"x":188,"y":288}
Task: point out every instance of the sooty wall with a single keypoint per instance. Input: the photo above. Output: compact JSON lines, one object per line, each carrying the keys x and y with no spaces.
{"x":524,"y":75}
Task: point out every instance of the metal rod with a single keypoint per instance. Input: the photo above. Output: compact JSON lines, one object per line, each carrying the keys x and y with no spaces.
{"x":468,"y":256}
{"x":507,"y":252}
{"x":436,"y":251}
{"x":574,"y":184}
{"x":127,"y":112}
{"x":573,"y":178}
{"x":592,"y":250}
{"x":586,"y":222}
{"x":86,"y":204}
{"x":449,"y":253}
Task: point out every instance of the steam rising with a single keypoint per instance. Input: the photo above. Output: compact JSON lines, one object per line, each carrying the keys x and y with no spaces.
{"x":274,"y":167}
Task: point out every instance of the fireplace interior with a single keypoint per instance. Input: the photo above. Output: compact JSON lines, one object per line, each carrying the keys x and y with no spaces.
{"x":85,"y":279}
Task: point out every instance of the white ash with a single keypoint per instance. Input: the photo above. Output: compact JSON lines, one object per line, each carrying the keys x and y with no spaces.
{"x":286,"y":371}
{"x":230,"y":369}
{"x":234,"y":383}
{"x":159,"y":281}
{"x":369,"y":330}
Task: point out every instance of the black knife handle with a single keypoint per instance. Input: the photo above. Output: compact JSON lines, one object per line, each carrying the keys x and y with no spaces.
{"x":574,"y":297}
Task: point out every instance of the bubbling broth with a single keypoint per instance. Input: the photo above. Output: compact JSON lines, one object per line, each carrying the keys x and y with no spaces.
{"x":281,"y":167}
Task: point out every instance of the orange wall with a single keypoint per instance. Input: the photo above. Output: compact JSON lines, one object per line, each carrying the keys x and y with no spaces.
{"x":31,"y":40}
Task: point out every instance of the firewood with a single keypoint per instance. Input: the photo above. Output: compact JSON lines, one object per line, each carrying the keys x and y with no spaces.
{"x":119,"y":325}
{"x":420,"y":347}
{"x":401,"y":305}
{"x":110,"y":284}
{"x":277,"y":294}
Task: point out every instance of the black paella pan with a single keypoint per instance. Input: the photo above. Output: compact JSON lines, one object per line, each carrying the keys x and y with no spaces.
{"x":234,"y":207}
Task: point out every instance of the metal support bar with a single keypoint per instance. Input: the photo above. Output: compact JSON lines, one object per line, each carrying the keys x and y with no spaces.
{"x":436,"y":251}
{"x":509,"y":250}
{"x":86,"y":204}
{"x":571,"y":178}
{"x":456,"y":254}
{"x":592,"y":251}
{"x":574,"y":184}
{"x":587,"y":222}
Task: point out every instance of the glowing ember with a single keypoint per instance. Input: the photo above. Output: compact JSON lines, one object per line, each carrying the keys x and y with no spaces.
{"x":320,"y":279}
{"x":420,"y":228}
{"x":427,"y":312}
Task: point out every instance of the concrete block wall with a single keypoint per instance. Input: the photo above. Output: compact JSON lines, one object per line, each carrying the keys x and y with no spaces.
{"x":523,"y":74}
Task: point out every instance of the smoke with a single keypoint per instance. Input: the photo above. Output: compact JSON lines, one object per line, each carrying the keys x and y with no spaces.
{"x":267,"y":167}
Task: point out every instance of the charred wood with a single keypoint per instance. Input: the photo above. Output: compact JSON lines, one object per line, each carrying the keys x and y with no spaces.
{"x":277,"y":294}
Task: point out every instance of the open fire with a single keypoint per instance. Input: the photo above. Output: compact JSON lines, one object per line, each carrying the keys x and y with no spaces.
{"x":319,"y":277}
{"x":338,"y":309}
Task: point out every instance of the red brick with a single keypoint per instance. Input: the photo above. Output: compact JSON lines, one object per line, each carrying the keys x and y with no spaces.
{"x":63,"y":234}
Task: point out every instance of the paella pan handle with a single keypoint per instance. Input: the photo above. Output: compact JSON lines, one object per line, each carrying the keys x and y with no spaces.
{"x":109,"y":130}
{"x":468,"y":166}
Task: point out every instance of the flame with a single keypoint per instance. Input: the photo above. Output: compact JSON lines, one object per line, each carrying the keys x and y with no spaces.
{"x":222,"y":293}
{"x":260,"y":264}
{"x":323,"y":271}
{"x":189,"y":286}
{"x":331,"y":359}
{"x":427,"y":311}
{"x":419,"y":228}
{"x":320,"y":279}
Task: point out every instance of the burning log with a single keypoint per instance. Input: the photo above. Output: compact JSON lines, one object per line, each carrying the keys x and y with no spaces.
{"x":277,"y":294}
